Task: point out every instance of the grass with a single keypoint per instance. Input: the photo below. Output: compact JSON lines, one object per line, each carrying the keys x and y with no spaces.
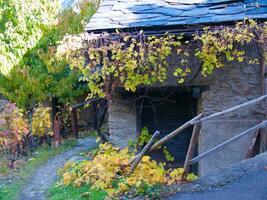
{"x":60,"y":192}
{"x":3,"y":166}
{"x":18,"y":178}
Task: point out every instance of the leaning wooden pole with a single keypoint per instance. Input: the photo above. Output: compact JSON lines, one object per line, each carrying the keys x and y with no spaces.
{"x":144,"y":151}
{"x":192,"y":147}
{"x":230,"y":141}
{"x":175,"y":132}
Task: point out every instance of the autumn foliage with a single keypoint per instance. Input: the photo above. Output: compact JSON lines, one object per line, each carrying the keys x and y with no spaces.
{"x":110,"y":171}
{"x":41,"y":121}
{"x":13,"y":126}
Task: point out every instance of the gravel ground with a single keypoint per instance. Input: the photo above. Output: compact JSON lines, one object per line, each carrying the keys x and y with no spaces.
{"x":46,"y":175}
{"x":246,"y":180}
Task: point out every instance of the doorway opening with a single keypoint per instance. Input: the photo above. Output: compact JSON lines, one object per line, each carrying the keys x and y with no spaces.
{"x":165,"y":109}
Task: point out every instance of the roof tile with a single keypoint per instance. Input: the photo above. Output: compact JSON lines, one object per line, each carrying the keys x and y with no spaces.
{"x":113,"y":14}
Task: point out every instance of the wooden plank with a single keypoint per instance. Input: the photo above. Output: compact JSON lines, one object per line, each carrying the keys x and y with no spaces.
{"x":175,"y":132}
{"x":230,"y":141}
{"x":144,"y":151}
{"x":192,"y":147}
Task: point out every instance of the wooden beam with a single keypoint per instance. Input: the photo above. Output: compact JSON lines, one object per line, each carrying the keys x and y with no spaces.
{"x":84,"y":103}
{"x":175,"y":132}
{"x":230,"y":141}
{"x":192,"y":147}
{"x":144,"y":151}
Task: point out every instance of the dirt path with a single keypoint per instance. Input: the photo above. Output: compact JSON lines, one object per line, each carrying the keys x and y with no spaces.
{"x":45,"y":175}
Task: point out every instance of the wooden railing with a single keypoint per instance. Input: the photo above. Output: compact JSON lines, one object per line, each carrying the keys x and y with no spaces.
{"x":227,"y":142}
{"x":196,"y":131}
{"x":196,"y":121}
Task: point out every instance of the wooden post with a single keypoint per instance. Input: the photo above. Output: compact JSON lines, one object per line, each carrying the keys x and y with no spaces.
{"x":57,"y":135}
{"x":144,"y":151}
{"x":263,"y":140}
{"x":251,"y":149}
{"x":192,"y":147}
{"x":74,"y":122}
{"x":54,"y":108}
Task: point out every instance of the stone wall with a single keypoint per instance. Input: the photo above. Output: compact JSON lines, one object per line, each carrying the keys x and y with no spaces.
{"x":228,"y":87}
{"x":121,"y":121}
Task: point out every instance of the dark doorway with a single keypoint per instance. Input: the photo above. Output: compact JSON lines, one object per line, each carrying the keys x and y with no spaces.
{"x":165,"y":110}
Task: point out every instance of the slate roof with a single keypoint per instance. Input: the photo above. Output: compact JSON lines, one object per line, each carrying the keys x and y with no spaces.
{"x":67,"y":3}
{"x":124,"y":14}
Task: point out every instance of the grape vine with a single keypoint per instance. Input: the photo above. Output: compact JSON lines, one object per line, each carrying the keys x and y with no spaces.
{"x":107,"y":61}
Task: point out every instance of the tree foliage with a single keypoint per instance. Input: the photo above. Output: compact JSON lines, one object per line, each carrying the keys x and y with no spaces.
{"x":38,"y":75}
{"x":41,"y":122}
{"x":13,"y":127}
{"x":22,"y":24}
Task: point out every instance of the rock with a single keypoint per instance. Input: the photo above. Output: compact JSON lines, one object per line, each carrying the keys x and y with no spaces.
{"x":18,"y":164}
{"x":76,"y":159}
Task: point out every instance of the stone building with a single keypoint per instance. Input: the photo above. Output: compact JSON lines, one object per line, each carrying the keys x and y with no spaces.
{"x":226,"y":87}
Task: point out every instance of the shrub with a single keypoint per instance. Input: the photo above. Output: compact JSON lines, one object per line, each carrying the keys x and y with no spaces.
{"x":110,"y":171}
{"x":13,"y":127}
